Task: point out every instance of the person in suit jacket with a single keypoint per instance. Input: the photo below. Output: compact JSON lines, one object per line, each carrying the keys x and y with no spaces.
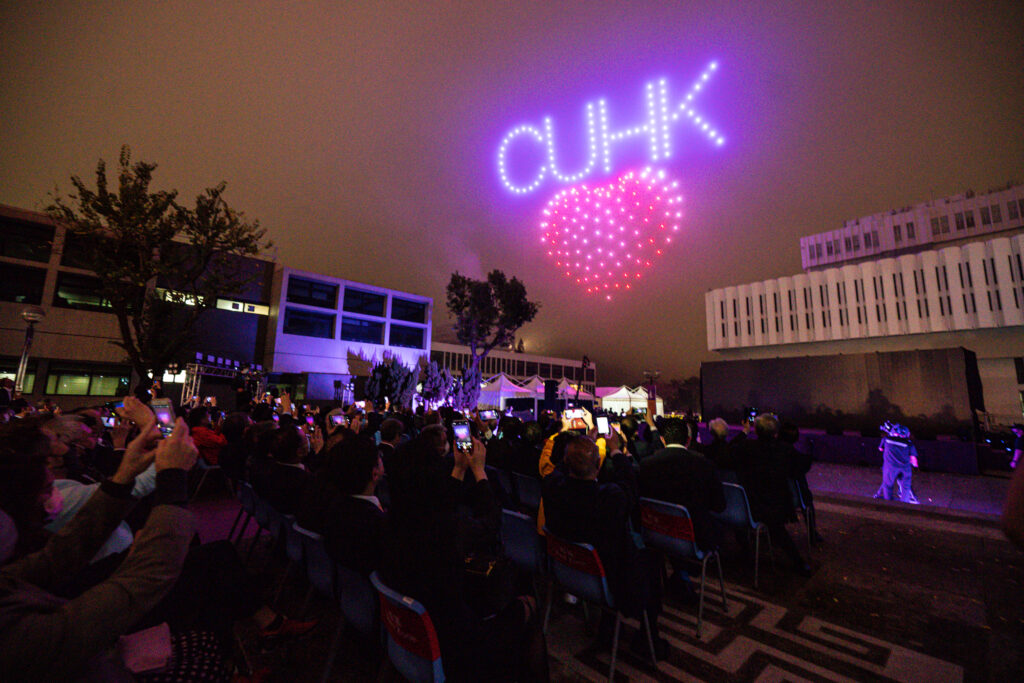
{"x":282,"y":478}
{"x":355,"y":527}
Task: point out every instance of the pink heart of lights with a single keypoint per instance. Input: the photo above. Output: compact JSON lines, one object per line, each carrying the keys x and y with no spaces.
{"x":604,"y":237}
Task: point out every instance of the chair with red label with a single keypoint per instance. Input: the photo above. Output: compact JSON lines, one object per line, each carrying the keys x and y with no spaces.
{"x":668,"y":527}
{"x":577,"y":568}
{"x":412,"y":643}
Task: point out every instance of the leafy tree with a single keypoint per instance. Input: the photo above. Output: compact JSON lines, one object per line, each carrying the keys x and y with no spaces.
{"x":392,"y":380}
{"x":681,"y":395}
{"x":466,"y":389}
{"x":161,"y":265}
{"x":437,"y":383}
{"x":487,"y":315}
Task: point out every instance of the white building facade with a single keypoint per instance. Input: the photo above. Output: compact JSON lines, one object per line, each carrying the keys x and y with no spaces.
{"x":969,"y":293}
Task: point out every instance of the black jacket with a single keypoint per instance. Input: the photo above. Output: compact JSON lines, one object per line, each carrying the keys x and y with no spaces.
{"x":676,"y":475}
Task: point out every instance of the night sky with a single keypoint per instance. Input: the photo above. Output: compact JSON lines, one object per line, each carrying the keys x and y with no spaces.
{"x":365,"y":135}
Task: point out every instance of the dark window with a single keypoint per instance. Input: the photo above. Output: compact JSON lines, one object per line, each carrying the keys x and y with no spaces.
{"x":1018,"y":364}
{"x":985,"y":218}
{"x":312,"y":293}
{"x":76,"y":250}
{"x":403,"y":335}
{"x":897,"y":233}
{"x":369,"y":331}
{"x":545,"y":370}
{"x":83,"y":292}
{"x":437,"y":357}
{"x":531,"y":368}
{"x":944,"y":224}
{"x":1011,"y":211}
{"x":409,"y":311}
{"x":590,"y":374}
{"x":28,"y":241}
{"x":997,"y":214}
{"x":935,"y":227}
{"x":959,"y":219}
{"x":21,"y":285}
{"x":910,"y":230}
{"x":969,"y":217}
{"x":367,"y":303}
{"x":308,"y":323}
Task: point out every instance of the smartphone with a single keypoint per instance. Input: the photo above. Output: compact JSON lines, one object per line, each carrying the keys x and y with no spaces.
{"x":602,"y":424}
{"x":113,"y":405}
{"x":164,"y":414}
{"x":277,"y":401}
{"x":486,"y":414}
{"x":575,"y":413}
{"x":338,"y":419}
{"x":309,"y":420}
{"x":752,"y":415}
{"x":277,"y":417}
{"x":209,"y":399}
{"x":109,"y":421}
{"x":361,"y":405}
{"x":463,"y":437}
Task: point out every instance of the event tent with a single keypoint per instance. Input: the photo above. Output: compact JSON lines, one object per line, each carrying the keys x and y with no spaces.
{"x":500,"y":388}
{"x":623,"y":399}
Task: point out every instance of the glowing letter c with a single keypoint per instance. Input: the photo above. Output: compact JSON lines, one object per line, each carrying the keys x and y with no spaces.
{"x":536,"y":134}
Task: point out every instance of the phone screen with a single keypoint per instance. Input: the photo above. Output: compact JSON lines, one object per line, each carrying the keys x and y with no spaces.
{"x":602,"y":424}
{"x":108,"y":421}
{"x":164,"y":415}
{"x":463,"y":438}
{"x":309,"y":419}
{"x":337,"y":419}
{"x":361,"y":405}
{"x":487,"y":414}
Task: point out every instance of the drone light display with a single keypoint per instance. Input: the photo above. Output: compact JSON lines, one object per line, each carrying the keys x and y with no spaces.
{"x":603,"y":237}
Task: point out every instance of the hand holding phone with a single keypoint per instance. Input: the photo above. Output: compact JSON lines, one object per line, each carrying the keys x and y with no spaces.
{"x":463,"y":436}
{"x":602,"y":425}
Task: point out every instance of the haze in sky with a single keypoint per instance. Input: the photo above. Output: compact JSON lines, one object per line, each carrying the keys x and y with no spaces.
{"x":365,"y":135}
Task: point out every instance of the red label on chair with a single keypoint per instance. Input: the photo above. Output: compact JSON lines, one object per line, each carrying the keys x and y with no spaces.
{"x":413,"y":632}
{"x":667,"y":524}
{"x":574,"y":556}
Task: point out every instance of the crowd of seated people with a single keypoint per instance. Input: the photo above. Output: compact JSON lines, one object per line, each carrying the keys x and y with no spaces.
{"x":390,"y":492}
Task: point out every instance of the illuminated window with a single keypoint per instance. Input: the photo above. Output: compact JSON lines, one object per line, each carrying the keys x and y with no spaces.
{"x":312,"y":293}
{"x":21,"y":285}
{"x":308,"y":323}
{"x":81,"y":292}
{"x":405,"y":336}
{"x":9,"y":370}
{"x":408,"y":311}
{"x":356,"y":330}
{"x":78,"y":381}
{"x":367,"y":303}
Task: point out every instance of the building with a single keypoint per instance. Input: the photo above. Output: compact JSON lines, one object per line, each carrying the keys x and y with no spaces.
{"x":324,"y":331}
{"x":73,"y":353}
{"x":926,"y":286}
{"x":519,"y":367}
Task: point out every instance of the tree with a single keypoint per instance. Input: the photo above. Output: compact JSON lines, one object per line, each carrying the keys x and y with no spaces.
{"x":437,"y":383}
{"x":161,"y":265}
{"x":391,"y":380}
{"x":682,"y":395}
{"x":487,"y":315}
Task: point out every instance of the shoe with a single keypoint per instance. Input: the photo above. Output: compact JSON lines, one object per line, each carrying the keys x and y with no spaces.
{"x":282,"y":630}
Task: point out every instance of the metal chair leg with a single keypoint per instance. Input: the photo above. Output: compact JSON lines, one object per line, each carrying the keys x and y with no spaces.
{"x":650,"y":638}
{"x":615,"y":646}
{"x":547,"y":608}
{"x":700,"y":599}
{"x":238,"y":518}
{"x":721,"y":582}
{"x":252,"y":546}
{"x":245,"y":525}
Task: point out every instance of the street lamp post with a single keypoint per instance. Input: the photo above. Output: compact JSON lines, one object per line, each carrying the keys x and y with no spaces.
{"x":30,"y":315}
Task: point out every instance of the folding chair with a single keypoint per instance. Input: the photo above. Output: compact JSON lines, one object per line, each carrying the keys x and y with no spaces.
{"x":521,"y":542}
{"x":668,"y":527}
{"x":319,"y":566}
{"x":247,"y":499}
{"x":577,"y":568}
{"x":738,"y":516}
{"x":206,"y":469}
{"x":801,"y":507}
{"x":412,"y":643}
{"x":504,"y":481}
{"x":358,"y":601}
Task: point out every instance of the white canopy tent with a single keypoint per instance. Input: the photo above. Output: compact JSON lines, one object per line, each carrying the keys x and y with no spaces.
{"x":623,"y":399}
{"x":498,"y":389}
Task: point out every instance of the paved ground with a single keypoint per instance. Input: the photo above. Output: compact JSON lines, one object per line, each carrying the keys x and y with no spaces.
{"x":902,"y":593}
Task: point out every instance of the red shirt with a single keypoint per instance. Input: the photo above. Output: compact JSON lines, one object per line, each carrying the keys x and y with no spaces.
{"x":209,"y":443}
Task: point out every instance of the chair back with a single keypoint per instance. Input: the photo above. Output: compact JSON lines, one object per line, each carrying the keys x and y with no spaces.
{"x":319,"y":566}
{"x":246,"y":497}
{"x":358,"y":602}
{"x":737,"y":508}
{"x":668,"y":527}
{"x":412,"y":643}
{"x":292,"y":539}
{"x":577,"y":568}
{"x":797,"y":496}
{"x":528,"y":490}
{"x":521,"y":542}
{"x":261,"y":511}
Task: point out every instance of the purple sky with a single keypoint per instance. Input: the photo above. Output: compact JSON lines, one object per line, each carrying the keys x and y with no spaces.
{"x":364,"y":135}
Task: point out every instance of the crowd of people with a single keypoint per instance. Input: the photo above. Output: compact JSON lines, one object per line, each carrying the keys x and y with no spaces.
{"x":98,"y":542}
